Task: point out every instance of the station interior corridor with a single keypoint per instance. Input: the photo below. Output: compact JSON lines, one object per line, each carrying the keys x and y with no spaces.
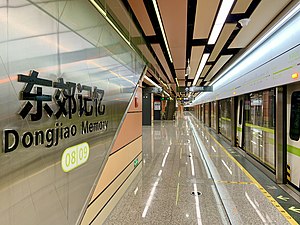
{"x":192,"y":176}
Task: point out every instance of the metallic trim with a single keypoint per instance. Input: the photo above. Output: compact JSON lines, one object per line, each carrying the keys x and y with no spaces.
{"x":233,"y":121}
{"x":280,"y":135}
{"x":86,"y":204}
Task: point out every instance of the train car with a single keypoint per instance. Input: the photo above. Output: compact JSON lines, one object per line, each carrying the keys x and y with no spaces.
{"x":251,"y":86}
{"x":256,"y":126}
{"x":293,"y":133}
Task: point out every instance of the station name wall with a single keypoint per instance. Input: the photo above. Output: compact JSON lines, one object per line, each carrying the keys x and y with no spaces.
{"x":70,"y":99}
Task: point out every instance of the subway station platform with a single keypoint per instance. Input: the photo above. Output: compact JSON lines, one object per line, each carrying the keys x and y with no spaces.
{"x":190,"y":175}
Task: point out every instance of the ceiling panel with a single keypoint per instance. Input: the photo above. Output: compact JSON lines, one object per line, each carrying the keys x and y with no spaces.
{"x":225,"y":34}
{"x":221,"y":62}
{"x":241,"y":6}
{"x":159,"y":73}
{"x":144,"y":49}
{"x":163,"y":61}
{"x":173,"y":86}
{"x":181,"y":83}
{"x":261,"y":17}
{"x":204,"y":71}
{"x":122,"y":15}
{"x":140,"y":12}
{"x":178,"y":55}
{"x":180,"y":74}
{"x":147,"y":82}
{"x":199,"y":82}
{"x":196,"y":55}
{"x":174,"y":16}
{"x":205,"y":14}
{"x":184,"y":30}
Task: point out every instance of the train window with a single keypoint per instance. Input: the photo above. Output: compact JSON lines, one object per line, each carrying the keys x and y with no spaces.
{"x":295,"y":116}
{"x":241,"y":111}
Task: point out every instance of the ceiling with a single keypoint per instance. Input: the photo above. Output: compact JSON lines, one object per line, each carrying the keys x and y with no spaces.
{"x":188,"y":25}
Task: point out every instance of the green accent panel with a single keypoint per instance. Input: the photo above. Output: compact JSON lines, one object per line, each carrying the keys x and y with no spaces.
{"x":293,"y":150}
{"x":287,"y":68}
{"x":224,"y":118}
{"x":271,"y":140}
{"x":268,"y":130}
{"x":136,"y":162}
{"x":239,"y":129}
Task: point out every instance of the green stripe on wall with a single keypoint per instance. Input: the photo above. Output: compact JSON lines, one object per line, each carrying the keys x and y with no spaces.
{"x":287,"y":68}
{"x":224,"y":118}
{"x":293,"y":150}
{"x":268,"y":130}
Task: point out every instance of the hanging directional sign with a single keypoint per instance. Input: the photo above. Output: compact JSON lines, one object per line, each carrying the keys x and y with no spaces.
{"x":195,"y":89}
{"x":155,"y":90}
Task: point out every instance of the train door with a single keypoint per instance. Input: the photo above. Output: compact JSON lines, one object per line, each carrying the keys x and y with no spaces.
{"x":240,"y":122}
{"x":293,"y":134}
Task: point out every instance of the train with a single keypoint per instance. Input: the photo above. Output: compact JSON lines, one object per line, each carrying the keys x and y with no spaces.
{"x":255,"y":104}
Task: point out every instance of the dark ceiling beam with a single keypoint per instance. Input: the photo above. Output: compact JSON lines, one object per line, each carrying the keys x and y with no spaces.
{"x":152,"y":39}
{"x":140,"y":29}
{"x":153,"y":77}
{"x":230,"y":51}
{"x":209,"y":48}
{"x":199,"y":42}
{"x":191,"y":14}
{"x":153,"y":18}
{"x":252,"y":7}
{"x":234,"y":18}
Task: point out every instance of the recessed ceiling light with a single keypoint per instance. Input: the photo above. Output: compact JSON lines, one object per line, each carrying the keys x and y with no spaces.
{"x":152,"y":82}
{"x":162,"y":28}
{"x":201,"y":66}
{"x":221,"y":18}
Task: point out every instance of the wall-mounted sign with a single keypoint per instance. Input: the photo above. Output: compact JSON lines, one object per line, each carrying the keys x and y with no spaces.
{"x":156,"y":105}
{"x":75,"y":156}
{"x":69,"y":99}
{"x":136,"y":162}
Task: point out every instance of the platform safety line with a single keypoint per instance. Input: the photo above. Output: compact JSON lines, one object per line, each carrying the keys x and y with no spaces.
{"x":265,"y":193}
{"x":234,"y":182}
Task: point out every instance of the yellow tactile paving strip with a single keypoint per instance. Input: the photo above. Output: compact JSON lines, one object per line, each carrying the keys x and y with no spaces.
{"x":265,"y":193}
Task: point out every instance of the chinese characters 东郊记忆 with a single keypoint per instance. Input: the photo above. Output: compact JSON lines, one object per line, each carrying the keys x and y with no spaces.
{"x":87,"y":101}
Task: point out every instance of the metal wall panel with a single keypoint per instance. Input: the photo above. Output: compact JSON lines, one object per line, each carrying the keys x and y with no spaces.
{"x":77,"y":57}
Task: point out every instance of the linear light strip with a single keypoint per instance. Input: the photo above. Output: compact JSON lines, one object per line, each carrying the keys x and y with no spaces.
{"x":201,"y":66}
{"x":221,"y":18}
{"x":109,"y":21}
{"x":177,"y":81}
{"x":166,"y":93}
{"x":152,"y":82}
{"x":264,"y":38}
{"x":162,"y":28}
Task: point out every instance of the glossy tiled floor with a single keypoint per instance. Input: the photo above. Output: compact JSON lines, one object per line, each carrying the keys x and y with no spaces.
{"x":181,"y":158}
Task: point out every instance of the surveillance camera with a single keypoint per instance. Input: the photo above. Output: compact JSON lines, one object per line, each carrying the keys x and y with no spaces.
{"x":244,"y":22}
